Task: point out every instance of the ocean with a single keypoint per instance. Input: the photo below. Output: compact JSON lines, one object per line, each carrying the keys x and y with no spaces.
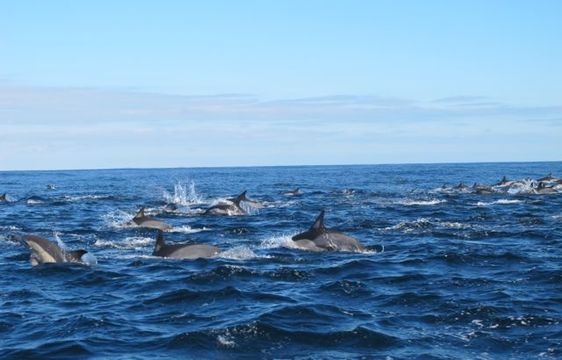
{"x":447,"y":273}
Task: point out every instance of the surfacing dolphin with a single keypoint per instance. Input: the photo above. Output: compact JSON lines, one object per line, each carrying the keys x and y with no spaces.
{"x":231,"y":208}
{"x":294,"y":192}
{"x":320,"y":238}
{"x":44,"y":251}
{"x":183,"y":251}
{"x":142,"y":220}
{"x":3,"y":198}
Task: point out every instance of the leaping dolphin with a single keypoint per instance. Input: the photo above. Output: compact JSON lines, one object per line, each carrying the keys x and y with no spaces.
{"x":183,"y":251}
{"x":142,"y":220}
{"x":231,"y":208}
{"x":319,"y":238}
{"x":44,"y":251}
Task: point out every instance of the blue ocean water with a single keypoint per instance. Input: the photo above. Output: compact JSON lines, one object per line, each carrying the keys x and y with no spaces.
{"x":447,"y":274}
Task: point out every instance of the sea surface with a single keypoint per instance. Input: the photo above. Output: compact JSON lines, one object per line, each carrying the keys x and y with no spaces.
{"x":446,"y":275}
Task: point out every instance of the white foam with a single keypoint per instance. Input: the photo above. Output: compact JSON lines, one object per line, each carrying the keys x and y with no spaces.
{"x":9,"y":227}
{"x":135,"y":242}
{"x":285,"y":241}
{"x":76,"y":198}
{"x":499,"y":202}
{"x":186,"y":229}
{"x":412,"y":202}
{"x":119,"y":219}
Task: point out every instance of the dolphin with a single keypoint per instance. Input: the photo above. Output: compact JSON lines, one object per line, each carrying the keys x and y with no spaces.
{"x":482,"y":189}
{"x":294,"y":192}
{"x":320,"y":238}
{"x":183,"y":251}
{"x":51,"y":187}
{"x":44,"y":251}
{"x":231,"y":208}
{"x":543,"y":189}
{"x":32,"y":200}
{"x":548,"y":178}
{"x":3,"y":198}
{"x":141,"y":220}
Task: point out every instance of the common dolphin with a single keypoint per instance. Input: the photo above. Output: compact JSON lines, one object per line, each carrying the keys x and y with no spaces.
{"x":326,"y":239}
{"x":231,"y":208}
{"x":32,"y":200}
{"x":482,"y":189}
{"x":543,"y":189}
{"x":44,"y":251}
{"x":183,"y":251}
{"x":548,"y":178}
{"x":148,"y":222}
{"x":294,"y":192}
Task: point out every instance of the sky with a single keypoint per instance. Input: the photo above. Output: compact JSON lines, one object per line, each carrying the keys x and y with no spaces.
{"x":132,"y":83}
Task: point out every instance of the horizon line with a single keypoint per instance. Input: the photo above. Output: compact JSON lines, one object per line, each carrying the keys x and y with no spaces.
{"x":282,"y":165}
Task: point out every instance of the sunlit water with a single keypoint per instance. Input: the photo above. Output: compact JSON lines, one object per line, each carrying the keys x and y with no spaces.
{"x":446,"y":275}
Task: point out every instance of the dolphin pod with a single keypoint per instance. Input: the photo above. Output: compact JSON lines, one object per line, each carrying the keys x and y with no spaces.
{"x":318,"y":238}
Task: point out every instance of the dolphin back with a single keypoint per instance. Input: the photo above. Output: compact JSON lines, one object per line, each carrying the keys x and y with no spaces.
{"x":44,"y":251}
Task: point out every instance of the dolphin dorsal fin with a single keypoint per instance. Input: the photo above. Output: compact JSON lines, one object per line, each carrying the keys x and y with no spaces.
{"x":3,"y":196}
{"x":140,"y":214}
{"x":318,"y":225}
{"x":160,"y":242}
{"x":241,"y":197}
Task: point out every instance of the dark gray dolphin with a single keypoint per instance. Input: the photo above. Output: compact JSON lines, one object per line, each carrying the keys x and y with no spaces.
{"x":319,"y":238}
{"x":142,"y":220}
{"x":231,"y":208}
{"x":3,"y":198}
{"x":44,"y":251}
{"x":183,"y":251}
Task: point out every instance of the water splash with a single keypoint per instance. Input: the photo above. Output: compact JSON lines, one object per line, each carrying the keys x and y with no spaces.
{"x":184,"y":194}
{"x":241,"y":253}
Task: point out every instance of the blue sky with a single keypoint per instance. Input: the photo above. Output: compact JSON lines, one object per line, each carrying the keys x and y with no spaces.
{"x":102,"y":84}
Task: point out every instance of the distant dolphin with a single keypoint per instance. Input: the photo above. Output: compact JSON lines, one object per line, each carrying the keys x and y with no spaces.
{"x":482,"y":189}
{"x":183,"y":251}
{"x":44,"y":251}
{"x":318,"y":236}
{"x":231,"y":208}
{"x":34,"y":200}
{"x":294,"y":192}
{"x":3,"y":198}
{"x":51,"y":187}
{"x":548,"y":178}
{"x":142,"y":220}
